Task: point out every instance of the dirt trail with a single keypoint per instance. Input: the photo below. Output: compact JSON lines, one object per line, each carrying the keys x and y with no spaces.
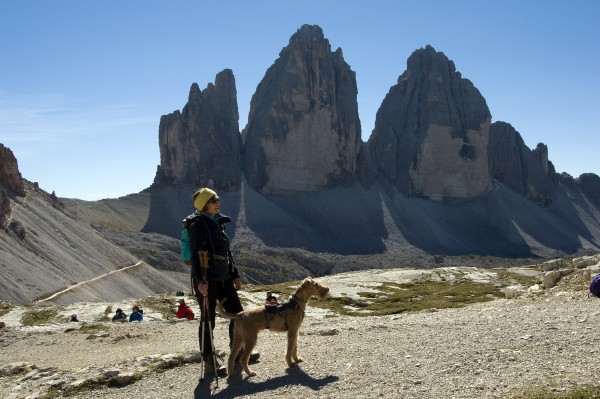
{"x":139,"y":263}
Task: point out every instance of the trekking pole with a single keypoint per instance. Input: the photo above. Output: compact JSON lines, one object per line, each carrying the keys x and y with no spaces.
{"x":202,"y":342}
{"x":212,"y":342}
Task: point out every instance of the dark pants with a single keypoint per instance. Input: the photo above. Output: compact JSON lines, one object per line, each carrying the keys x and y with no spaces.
{"x":217,"y":290}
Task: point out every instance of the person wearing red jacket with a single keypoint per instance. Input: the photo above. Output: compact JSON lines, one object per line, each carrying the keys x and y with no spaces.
{"x":184,"y":311}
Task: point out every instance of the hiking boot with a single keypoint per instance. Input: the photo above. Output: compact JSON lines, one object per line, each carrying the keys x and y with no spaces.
{"x":254,"y":356}
{"x":209,"y":367}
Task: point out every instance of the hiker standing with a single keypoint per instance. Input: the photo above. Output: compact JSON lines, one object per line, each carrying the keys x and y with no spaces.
{"x":213,"y":271}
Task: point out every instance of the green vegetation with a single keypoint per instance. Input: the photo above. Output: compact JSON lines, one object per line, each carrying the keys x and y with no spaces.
{"x":5,"y":308}
{"x":107,"y":314}
{"x":509,"y":277}
{"x":584,"y":392}
{"x":162,"y":304}
{"x":393,"y":298}
{"x":439,"y":291}
{"x":90,"y":385}
{"x":35,"y":317}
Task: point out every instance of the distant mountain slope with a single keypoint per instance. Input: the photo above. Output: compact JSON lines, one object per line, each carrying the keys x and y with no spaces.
{"x":45,"y":249}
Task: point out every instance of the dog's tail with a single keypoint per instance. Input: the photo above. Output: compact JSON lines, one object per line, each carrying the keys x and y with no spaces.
{"x":223,"y":313}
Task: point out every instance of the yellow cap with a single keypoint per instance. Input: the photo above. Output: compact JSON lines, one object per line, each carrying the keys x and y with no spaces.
{"x":202,"y":197}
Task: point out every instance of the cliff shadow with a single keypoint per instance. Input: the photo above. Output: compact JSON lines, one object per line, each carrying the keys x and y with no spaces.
{"x":342,"y":220}
{"x":169,"y":205}
{"x":459,"y":227}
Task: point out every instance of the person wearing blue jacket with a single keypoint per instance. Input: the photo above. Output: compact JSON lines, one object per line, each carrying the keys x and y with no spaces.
{"x":136,"y":315}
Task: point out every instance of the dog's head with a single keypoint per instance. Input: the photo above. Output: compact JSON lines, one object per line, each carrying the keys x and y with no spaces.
{"x":312,"y":287}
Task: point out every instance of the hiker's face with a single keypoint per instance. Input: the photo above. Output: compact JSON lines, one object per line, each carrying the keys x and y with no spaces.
{"x":212,"y":206}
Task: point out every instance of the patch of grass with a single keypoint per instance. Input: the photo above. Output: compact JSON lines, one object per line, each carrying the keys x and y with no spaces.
{"x":509,"y":278}
{"x":161,"y":304}
{"x":165,"y":365}
{"x":5,"y":308}
{"x":583,"y":392}
{"x":35,"y":317}
{"x":393,"y":298}
{"x":91,"y":327}
{"x":90,"y":385}
{"x":107,"y":314}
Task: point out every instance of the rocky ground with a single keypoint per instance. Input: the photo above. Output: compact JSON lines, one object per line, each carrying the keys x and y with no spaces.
{"x":485,"y":350}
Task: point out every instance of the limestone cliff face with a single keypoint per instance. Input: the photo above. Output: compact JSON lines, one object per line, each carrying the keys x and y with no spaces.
{"x":10,"y":177}
{"x":526,"y":172}
{"x":303,"y":131}
{"x":431,"y":131}
{"x":202,"y":144}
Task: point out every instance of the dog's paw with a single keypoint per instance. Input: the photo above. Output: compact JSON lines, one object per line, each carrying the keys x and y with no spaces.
{"x":251,"y":374}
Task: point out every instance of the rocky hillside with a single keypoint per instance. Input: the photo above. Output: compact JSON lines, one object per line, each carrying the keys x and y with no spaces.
{"x":45,"y":249}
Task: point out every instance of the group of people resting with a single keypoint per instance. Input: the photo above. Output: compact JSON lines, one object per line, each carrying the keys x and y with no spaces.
{"x":137,"y":314}
{"x":183,"y":312}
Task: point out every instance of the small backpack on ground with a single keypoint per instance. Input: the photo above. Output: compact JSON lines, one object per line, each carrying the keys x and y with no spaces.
{"x":595,"y":286}
{"x":186,"y":251}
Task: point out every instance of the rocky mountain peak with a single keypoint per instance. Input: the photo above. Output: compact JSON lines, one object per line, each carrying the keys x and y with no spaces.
{"x":589,"y":184}
{"x":431,"y":131}
{"x":10,"y":177}
{"x":303,"y":131}
{"x":524,"y":171}
{"x":201,"y":145}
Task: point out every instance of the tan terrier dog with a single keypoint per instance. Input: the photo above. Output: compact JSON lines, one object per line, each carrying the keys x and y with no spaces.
{"x":288,"y":318}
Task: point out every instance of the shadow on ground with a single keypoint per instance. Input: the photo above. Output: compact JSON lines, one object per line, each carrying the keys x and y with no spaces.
{"x":238,"y":386}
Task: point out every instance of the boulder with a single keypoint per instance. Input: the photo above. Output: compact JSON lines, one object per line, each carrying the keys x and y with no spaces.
{"x":303,"y":132}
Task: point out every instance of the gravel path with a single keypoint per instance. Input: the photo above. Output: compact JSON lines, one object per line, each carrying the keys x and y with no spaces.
{"x":481,"y":351}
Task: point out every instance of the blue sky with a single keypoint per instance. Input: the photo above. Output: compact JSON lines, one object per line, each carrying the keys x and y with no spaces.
{"x":83,"y":84}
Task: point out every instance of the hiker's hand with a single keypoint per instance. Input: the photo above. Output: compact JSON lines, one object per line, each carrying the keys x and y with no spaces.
{"x":237,"y":284}
{"x":203,"y":288}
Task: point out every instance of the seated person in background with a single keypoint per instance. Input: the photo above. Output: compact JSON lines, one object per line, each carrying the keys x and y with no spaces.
{"x":136,"y":315}
{"x":120,"y":315}
{"x":74,"y":317}
{"x":184,"y":311}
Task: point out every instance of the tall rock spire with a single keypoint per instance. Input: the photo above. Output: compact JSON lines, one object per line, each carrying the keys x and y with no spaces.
{"x":202,"y":144}
{"x":431,"y":131}
{"x":524,"y":171}
{"x":10,"y":177}
{"x":303,"y":130}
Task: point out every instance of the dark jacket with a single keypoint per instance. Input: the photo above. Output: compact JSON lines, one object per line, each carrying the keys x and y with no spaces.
{"x":209,"y":234}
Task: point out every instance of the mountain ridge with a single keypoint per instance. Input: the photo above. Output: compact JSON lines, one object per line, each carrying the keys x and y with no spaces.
{"x":436,"y":180}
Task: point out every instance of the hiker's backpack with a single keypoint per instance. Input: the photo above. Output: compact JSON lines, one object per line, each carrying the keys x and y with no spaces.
{"x":186,"y":251}
{"x":595,"y":286}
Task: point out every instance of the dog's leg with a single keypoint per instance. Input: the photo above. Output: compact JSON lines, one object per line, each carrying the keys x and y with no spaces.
{"x":236,"y":346}
{"x":250,"y":342}
{"x":291,"y":356}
